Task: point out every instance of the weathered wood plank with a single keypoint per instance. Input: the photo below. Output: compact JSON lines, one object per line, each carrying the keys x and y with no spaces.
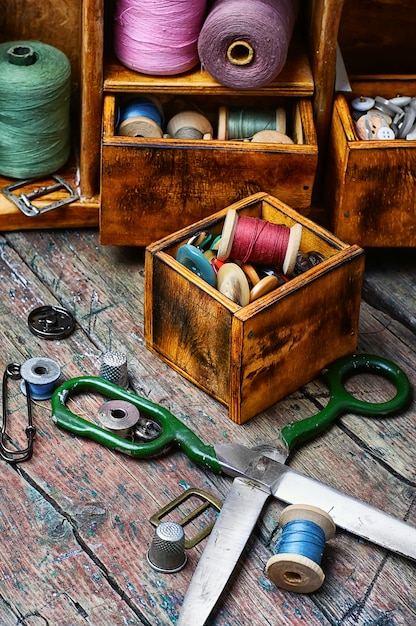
{"x":101,"y":501}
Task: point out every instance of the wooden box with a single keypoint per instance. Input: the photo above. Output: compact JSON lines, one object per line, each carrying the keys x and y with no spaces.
{"x":370,"y":190}
{"x":250,"y":357}
{"x":153,"y":187}
{"x":370,"y":184}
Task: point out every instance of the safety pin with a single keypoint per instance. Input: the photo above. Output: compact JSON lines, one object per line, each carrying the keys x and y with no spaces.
{"x":12,"y":372}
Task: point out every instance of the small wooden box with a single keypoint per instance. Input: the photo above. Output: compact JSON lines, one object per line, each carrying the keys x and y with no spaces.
{"x":153,"y":187}
{"x":370,"y":192}
{"x":250,"y":357}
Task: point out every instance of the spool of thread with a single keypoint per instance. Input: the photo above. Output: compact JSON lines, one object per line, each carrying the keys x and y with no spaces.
{"x":35,"y":86}
{"x":141,"y":117}
{"x":158,"y":37}
{"x":244,"y":123}
{"x":244,"y":45}
{"x":253,"y":240}
{"x":119,"y":417}
{"x":42,"y":376}
{"x":297,"y":564}
{"x":189,"y":125}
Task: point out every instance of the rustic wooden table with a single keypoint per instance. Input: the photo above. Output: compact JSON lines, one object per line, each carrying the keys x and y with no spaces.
{"x":74,"y":519}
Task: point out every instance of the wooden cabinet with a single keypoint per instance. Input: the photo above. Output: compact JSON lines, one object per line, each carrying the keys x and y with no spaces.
{"x":83,"y":30}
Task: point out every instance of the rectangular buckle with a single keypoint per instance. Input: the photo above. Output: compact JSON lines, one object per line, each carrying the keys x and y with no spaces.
{"x":208,"y":500}
{"x":24,"y":200}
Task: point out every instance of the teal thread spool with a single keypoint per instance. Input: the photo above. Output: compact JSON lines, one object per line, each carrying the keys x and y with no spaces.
{"x":296,"y":567}
{"x":243,"y":123}
{"x":35,"y":90}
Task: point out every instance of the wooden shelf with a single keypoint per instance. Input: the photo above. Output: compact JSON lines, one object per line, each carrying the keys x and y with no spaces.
{"x":84,"y":213}
{"x":296,"y":79}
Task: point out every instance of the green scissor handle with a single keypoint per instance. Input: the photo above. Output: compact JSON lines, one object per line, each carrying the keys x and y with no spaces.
{"x":341,"y":401}
{"x":173,"y":431}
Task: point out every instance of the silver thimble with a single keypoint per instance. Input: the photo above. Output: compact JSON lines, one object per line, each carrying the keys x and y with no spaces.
{"x":114,"y":368}
{"x":167,"y":552}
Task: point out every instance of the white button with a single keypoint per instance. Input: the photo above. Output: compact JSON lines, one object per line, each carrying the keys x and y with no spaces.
{"x":400,"y":101}
{"x":362,"y":103}
{"x":385,"y":133}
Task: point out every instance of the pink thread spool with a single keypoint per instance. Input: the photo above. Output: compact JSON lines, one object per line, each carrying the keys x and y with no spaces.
{"x":252,"y":240}
{"x":158,"y":37}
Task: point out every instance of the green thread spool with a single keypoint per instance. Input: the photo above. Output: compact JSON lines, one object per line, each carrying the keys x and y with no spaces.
{"x":35,"y":90}
{"x":243,"y":123}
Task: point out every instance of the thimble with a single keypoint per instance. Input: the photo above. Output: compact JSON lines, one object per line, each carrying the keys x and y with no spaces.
{"x":114,"y":368}
{"x":167,"y":552}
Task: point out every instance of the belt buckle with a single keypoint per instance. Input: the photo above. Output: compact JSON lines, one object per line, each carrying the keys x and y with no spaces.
{"x":24,"y":200}
{"x":208,"y":500}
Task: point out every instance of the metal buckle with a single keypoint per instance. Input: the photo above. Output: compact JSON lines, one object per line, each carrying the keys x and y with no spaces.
{"x":208,"y":499}
{"x":23,"y":201}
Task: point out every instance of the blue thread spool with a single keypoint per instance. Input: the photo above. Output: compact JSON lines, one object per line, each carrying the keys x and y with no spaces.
{"x":141,"y":117}
{"x":42,"y":376}
{"x":296,"y":566}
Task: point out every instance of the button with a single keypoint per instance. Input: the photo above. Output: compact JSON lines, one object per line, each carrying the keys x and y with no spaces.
{"x":233,"y":283}
{"x":386,"y":106}
{"x":266,"y":284}
{"x":407,"y":123}
{"x":412,"y":135}
{"x":400,"y":101}
{"x":369,"y":125}
{"x":385,"y":133}
{"x":362,"y":103}
{"x":251,"y":273}
{"x":193,"y":258}
{"x":51,"y":322}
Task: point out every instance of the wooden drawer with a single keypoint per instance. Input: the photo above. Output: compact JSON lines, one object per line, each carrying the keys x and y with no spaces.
{"x":370,"y":185}
{"x":250,"y":357}
{"x":153,"y":187}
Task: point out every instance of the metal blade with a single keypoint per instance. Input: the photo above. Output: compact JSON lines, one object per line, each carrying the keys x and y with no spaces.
{"x":238,"y":516}
{"x":292,"y":487}
{"x":348,"y":513}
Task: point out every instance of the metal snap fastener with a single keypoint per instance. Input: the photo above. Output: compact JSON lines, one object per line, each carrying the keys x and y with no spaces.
{"x":51,"y":322}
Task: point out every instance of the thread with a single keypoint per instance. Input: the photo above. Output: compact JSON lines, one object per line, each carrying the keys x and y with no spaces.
{"x":244,"y":45}
{"x":158,"y":37}
{"x":189,"y":125}
{"x":35,"y":85}
{"x":41,"y":375}
{"x":258,"y":241}
{"x":140,"y":117}
{"x":244,"y":123}
{"x":297,"y":564}
{"x":253,"y":240}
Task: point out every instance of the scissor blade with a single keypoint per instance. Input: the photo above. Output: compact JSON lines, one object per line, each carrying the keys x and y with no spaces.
{"x":348,"y":513}
{"x":239,"y":514}
{"x":292,"y":487}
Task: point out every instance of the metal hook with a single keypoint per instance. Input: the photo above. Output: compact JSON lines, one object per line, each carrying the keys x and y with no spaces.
{"x":12,"y":372}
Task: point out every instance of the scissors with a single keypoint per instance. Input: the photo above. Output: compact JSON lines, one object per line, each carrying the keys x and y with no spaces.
{"x":258,"y":472}
{"x":174,"y":432}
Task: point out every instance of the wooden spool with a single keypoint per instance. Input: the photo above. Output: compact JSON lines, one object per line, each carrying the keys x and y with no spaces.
{"x":294,"y":572}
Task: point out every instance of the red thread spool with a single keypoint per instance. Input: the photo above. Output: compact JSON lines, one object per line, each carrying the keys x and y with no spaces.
{"x":253,"y":240}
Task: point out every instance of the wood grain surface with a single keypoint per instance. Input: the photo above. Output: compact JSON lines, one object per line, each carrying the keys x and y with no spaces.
{"x":74,"y":520}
